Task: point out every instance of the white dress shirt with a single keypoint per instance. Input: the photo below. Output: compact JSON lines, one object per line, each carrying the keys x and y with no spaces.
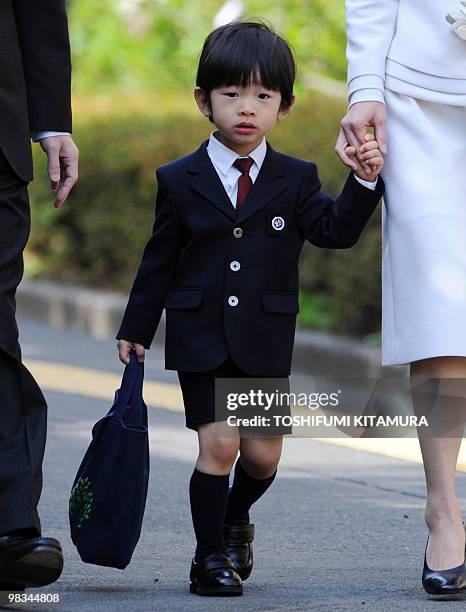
{"x":36,"y":136}
{"x":223,"y":159}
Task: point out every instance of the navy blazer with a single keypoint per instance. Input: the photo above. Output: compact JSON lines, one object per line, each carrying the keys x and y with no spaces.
{"x":229,"y":279}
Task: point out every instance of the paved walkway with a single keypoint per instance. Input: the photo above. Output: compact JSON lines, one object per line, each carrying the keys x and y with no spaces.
{"x":341,"y":529}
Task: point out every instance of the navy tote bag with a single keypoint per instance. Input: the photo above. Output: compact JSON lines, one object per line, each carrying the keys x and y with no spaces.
{"x":109,"y":492}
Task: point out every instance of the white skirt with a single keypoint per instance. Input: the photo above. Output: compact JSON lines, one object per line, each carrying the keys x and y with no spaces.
{"x":423,"y":231}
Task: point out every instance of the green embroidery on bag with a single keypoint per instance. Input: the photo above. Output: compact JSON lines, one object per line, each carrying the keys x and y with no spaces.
{"x":81,"y":502}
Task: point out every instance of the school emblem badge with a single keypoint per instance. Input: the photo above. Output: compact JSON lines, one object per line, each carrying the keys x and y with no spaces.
{"x":278,"y":223}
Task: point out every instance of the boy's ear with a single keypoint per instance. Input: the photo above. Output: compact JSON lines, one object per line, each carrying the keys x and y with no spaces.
{"x":284,"y":112}
{"x":202,"y":101}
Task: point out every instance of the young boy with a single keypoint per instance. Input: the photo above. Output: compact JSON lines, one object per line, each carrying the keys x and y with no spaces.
{"x":231,"y":220}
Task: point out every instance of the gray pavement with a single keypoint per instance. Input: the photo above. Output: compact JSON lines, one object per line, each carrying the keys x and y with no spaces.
{"x":340,"y":529}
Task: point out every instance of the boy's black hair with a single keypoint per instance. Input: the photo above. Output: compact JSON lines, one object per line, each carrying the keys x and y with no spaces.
{"x":242,"y":51}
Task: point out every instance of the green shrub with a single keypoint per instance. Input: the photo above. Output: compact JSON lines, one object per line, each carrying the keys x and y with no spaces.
{"x":97,"y":238}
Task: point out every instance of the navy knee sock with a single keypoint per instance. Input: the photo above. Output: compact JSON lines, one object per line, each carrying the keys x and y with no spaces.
{"x":208,"y":495}
{"x":245,"y":491}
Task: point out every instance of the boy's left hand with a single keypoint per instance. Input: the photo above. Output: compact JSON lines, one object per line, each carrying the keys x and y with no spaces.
{"x":371,"y":155}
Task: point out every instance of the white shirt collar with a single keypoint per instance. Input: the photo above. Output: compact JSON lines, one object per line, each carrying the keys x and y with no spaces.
{"x":225,"y":157}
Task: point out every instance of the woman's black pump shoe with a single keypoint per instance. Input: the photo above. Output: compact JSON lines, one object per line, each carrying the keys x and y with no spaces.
{"x":445,"y":583}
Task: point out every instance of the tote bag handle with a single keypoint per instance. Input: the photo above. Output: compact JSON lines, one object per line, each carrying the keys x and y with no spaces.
{"x":130,"y":392}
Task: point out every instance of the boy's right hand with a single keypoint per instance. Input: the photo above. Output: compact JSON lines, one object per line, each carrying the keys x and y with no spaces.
{"x":126,"y":346}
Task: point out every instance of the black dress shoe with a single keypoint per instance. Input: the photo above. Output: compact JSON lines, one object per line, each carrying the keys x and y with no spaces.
{"x":238,"y":543}
{"x":444,"y":583}
{"x":29,"y":562}
{"x":214,"y":575}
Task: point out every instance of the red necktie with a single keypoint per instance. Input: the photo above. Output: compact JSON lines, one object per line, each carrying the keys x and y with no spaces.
{"x":244,"y":182}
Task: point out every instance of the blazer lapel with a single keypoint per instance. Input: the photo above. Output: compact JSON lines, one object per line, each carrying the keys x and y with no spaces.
{"x":206,"y":182}
{"x":270,"y":182}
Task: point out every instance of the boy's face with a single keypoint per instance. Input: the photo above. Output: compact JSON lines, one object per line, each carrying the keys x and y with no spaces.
{"x":243,"y":115}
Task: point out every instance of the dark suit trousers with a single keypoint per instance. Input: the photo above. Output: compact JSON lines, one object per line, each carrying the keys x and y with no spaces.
{"x":23,"y":410}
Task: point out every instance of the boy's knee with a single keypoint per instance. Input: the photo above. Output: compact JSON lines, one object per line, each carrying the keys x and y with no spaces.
{"x":220,"y":454}
{"x":261,"y":465}
{"x":225,"y":448}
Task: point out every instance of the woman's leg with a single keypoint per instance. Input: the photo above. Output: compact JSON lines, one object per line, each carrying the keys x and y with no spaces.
{"x":254,"y":473}
{"x":208,"y":488}
{"x":446,"y":547}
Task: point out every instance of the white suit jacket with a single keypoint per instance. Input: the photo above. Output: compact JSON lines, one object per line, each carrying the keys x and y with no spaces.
{"x":409,"y":40}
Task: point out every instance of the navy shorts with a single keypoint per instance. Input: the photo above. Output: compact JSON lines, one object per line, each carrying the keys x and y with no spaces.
{"x":198,"y":389}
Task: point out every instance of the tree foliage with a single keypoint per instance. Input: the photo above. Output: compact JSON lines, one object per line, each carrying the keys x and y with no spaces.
{"x":141,"y":45}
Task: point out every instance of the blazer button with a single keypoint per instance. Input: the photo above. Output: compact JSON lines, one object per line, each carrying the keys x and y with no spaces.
{"x":237,"y":232}
{"x":233,"y":300}
{"x":235,"y":266}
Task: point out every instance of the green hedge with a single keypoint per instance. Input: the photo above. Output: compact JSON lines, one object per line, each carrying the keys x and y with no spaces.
{"x":97,"y":238}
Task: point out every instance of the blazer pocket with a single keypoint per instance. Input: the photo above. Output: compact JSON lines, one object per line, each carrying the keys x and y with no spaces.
{"x":183,"y":299}
{"x":284,"y":302}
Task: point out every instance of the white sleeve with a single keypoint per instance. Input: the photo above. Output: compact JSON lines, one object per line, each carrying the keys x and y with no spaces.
{"x":368,"y":184}
{"x":36,"y":136}
{"x":370,"y":27}
{"x":366,"y":95}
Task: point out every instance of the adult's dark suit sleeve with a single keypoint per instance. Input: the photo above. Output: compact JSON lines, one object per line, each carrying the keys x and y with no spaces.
{"x":155,"y":272}
{"x":42,"y":29}
{"x":335,"y":224}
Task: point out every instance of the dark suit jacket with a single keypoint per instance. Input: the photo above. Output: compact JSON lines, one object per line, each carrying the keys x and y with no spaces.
{"x":35,"y":73}
{"x":187,"y":266}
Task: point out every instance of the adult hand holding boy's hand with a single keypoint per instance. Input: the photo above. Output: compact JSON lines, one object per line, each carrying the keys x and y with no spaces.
{"x":353,"y":129}
{"x":370,"y":155}
{"x":126,"y":346}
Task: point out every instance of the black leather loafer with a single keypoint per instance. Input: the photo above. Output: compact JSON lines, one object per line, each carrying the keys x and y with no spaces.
{"x":238,"y":544}
{"x":214,"y":575}
{"x":444,"y":583}
{"x":29,"y":562}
